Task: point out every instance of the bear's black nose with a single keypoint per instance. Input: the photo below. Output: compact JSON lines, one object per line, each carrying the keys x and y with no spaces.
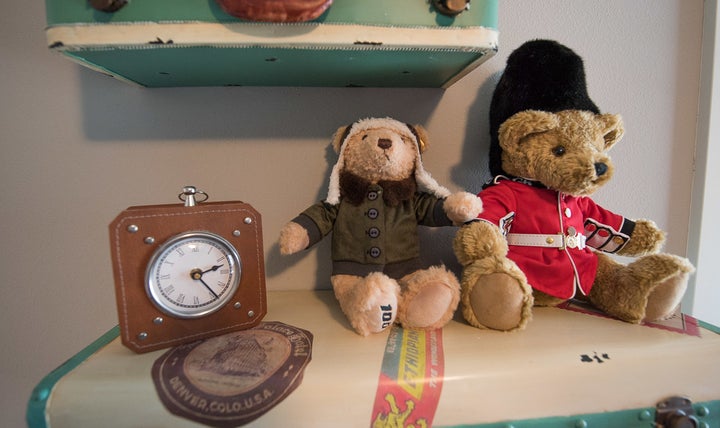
{"x":384,"y":143}
{"x":600,"y":168}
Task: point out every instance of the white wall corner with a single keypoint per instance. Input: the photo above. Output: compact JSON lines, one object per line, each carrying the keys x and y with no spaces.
{"x":703,"y":297}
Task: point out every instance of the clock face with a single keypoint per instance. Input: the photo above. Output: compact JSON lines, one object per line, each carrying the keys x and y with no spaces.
{"x":193,"y":274}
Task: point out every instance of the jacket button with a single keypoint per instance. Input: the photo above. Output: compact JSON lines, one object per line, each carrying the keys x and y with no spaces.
{"x":372,"y":195}
{"x":373,"y":232}
{"x":374,"y":252}
{"x":372,"y":213}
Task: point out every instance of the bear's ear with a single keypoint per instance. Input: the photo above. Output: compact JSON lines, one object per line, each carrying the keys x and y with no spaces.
{"x":523,"y":124}
{"x":339,"y":136}
{"x":613,"y":128}
{"x":422,"y":136}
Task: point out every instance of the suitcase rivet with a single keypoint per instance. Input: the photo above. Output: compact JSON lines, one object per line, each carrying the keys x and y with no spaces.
{"x":158,"y":320}
{"x":645,"y":415}
{"x":142,"y":336}
{"x":581,"y":423}
{"x":251,"y":314}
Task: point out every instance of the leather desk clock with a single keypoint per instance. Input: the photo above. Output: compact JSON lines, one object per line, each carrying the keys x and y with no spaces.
{"x":188,"y":271}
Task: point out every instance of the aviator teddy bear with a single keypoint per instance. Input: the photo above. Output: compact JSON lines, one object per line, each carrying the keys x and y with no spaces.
{"x":378,"y":194}
{"x":540,"y":239}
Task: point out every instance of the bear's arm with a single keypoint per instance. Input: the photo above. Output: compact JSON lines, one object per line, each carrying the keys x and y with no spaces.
{"x":429,"y":210}
{"x":646,"y":238}
{"x":612,"y":233}
{"x":317,"y":220}
{"x":499,"y":205}
{"x":485,"y":237}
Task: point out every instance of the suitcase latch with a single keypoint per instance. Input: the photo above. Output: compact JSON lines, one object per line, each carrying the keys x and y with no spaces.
{"x":675,"y":412}
{"x":108,"y":5}
{"x":451,"y":7}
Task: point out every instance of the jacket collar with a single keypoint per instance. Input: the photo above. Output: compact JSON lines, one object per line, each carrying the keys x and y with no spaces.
{"x":354,"y":189}
{"x":526,"y":181}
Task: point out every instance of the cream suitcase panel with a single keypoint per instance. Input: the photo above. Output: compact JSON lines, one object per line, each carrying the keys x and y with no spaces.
{"x":567,"y":369}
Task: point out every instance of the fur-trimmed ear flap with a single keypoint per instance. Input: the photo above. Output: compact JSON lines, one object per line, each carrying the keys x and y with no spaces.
{"x":421,"y":135}
{"x":339,"y":136}
{"x":525,"y":123}
{"x":614,"y":129}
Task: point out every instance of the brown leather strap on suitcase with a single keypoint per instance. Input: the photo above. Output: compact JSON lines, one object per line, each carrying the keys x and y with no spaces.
{"x":275,"y":10}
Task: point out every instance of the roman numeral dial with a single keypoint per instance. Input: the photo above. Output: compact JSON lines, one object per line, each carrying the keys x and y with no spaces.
{"x":193,"y":274}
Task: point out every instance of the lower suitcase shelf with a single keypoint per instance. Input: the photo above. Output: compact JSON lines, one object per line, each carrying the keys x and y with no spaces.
{"x":567,"y":369}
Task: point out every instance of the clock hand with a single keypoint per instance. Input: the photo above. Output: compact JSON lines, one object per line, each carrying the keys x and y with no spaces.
{"x":209,"y":289}
{"x":196,"y":275}
{"x":213,"y":269}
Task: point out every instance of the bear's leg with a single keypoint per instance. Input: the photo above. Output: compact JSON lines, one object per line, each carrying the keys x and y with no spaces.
{"x":648,"y":289}
{"x":544,"y":299}
{"x":369,"y":303}
{"x":428,"y":298}
{"x":496,"y":295}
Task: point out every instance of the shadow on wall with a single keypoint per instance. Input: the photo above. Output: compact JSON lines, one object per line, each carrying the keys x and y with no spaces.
{"x":435,"y":243}
{"x":117,"y":111}
{"x":473,"y":171}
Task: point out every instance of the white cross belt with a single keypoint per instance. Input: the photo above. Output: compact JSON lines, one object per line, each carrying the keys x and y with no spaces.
{"x":547,"y":241}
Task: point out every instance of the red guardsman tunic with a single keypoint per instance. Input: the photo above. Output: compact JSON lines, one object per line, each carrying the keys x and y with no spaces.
{"x":538,"y":223}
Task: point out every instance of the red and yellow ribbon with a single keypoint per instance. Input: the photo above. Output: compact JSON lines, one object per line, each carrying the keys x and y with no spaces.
{"x":410,"y":379}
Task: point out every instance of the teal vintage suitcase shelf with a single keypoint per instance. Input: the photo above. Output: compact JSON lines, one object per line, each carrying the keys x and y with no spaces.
{"x":566,"y":370}
{"x":368,"y":43}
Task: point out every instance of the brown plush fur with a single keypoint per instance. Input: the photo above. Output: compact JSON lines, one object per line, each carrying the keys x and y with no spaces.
{"x":529,"y":138}
{"x":426,"y":295}
{"x":386,"y":152}
{"x":561,"y":151}
{"x":361,"y":300}
{"x":495,"y":293}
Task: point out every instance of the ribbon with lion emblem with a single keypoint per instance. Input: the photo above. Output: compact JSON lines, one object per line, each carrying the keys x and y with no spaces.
{"x":410,"y":379}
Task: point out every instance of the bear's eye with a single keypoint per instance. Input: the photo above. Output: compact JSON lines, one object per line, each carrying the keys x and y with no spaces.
{"x":558,"y":150}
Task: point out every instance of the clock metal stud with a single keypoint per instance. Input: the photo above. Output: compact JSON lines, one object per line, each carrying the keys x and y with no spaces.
{"x":182,"y":271}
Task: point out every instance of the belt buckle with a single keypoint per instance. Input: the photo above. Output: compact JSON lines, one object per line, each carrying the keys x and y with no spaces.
{"x":573,"y":239}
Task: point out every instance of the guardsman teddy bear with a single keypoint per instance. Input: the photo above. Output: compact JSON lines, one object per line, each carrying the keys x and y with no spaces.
{"x":378,"y":194}
{"x":541,"y":239}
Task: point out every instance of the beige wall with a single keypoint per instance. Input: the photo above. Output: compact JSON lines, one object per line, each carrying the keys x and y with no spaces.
{"x":79,"y":147}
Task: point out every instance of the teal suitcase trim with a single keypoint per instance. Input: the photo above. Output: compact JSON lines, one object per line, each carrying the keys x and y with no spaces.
{"x":373,"y":43}
{"x":707,"y":414}
{"x":410,"y":13}
{"x":35,"y":414}
{"x":277,"y":67}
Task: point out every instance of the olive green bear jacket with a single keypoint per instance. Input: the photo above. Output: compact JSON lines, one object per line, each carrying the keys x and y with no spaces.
{"x":373,"y":235}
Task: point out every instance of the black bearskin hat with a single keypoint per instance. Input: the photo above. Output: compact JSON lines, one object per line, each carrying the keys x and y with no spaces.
{"x":539,"y":75}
